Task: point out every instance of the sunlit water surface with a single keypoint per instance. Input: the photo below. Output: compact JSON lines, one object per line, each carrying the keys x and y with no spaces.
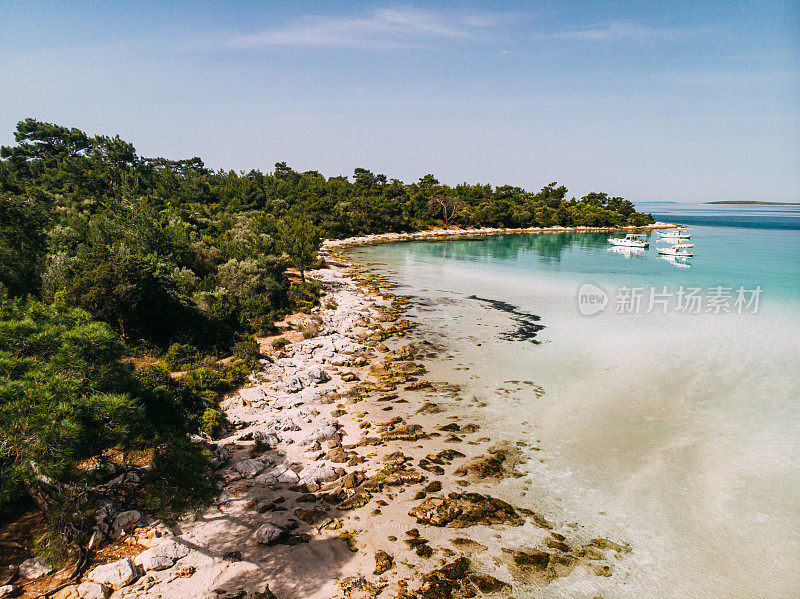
{"x":677,"y":433}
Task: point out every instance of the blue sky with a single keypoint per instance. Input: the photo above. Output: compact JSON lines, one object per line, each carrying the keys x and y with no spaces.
{"x":681,"y":101}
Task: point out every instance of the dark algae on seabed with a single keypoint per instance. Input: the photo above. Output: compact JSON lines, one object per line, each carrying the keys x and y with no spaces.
{"x":527,"y":325}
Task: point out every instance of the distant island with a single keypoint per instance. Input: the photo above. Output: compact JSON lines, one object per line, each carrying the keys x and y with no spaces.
{"x":750,"y":203}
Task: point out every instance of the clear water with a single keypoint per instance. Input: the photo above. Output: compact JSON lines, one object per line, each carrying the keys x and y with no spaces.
{"x":676,"y":432}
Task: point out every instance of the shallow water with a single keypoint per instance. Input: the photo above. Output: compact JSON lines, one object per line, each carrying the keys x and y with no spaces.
{"x":675,"y":432}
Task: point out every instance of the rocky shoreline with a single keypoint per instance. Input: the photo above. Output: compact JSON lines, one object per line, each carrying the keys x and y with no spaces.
{"x":455,"y":232}
{"x":346,"y":474}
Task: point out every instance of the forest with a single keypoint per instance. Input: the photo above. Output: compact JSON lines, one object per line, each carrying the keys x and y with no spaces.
{"x":118,"y":271}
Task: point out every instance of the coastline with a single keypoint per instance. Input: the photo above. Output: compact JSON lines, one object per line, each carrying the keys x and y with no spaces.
{"x":456,"y":233}
{"x":346,"y":473}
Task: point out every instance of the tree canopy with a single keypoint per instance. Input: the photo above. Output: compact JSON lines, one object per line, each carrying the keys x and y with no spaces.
{"x":105,"y":255}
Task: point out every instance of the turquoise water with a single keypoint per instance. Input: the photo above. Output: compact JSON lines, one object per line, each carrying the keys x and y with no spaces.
{"x":677,"y":432}
{"x":723,"y":255}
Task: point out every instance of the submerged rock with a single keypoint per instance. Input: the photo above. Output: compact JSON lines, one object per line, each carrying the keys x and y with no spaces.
{"x":383,"y":562}
{"x":460,"y":510}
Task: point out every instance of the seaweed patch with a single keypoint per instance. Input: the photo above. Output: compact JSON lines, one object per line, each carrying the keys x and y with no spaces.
{"x":527,"y":325}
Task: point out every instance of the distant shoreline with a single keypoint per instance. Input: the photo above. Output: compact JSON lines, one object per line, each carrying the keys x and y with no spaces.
{"x":749,"y":203}
{"x":450,"y":233}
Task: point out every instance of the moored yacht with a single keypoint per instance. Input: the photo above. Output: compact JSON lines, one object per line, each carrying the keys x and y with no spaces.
{"x":679,"y":250}
{"x":679,"y":233}
{"x":631,"y":240}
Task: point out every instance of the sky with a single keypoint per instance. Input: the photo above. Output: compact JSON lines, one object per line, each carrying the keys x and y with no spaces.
{"x":653,"y":101}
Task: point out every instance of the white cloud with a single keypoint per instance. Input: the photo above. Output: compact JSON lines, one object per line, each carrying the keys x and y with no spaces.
{"x":381,"y":28}
{"x":615,"y":31}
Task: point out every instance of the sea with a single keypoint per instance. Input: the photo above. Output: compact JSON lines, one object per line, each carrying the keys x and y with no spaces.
{"x":659,"y":398}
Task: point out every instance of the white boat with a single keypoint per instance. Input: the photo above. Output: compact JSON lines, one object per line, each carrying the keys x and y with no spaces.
{"x":631,"y":240}
{"x":674,"y":234}
{"x":678,"y":250}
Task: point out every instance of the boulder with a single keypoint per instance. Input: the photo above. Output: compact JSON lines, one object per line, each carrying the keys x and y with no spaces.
{"x":294,"y":384}
{"x":116,"y":574}
{"x":383,"y":562}
{"x":162,"y":556}
{"x":124,"y":521}
{"x":267,"y":478}
{"x":317,"y":374}
{"x":68,"y":592}
{"x":219,"y":457}
{"x":290,"y":477}
{"x":321,"y":434}
{"x":315,"y":518}
{"x":9,"y":590}
{"x":316,"y":473}
{"x":266,"y":438}
{"x":249,"y":468}
{"x":93,"y":590}
{"x":252,"y":394}
{"x":34,"y":568}
{"x":269,"y":534}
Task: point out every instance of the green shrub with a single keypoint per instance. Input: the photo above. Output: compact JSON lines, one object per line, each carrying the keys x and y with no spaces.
{"x":181,"y":355}
{"x":304,"y":295}
{"x":247,"y":351}
{"x":181,"y":479}
{"x":211,"y":422}
{"x":280,"y":343}
{"x":235,"y":372}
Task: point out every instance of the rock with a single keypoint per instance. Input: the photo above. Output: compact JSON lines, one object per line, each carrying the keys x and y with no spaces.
{"x":446,"y":582}
{"x":467,"y":509}
{"x":68,"y":592}
{"x":489,"y":584}
{"x":337,"y":455}
{"x":530,"y":567}
{"x":317,"y":374}
{"x":266,"y":439}
{"x":410,"y":432}
{"x":269,"y":534}
{"x":267,"y":478}
{"x":383,"y":562}
{"x":294,"y":384}
{"x":252,"y":395}
{"x":289,"y":477}
{"x":124,"y":521}
{"x":321,"y":434}
{"x":249,"y":468}
{"x":9,"y":590}
{"x":315,"y":473}
{"x":468,"y":546}
{"x":116,"y":574}
{"x":353,"y":479}
{"x":34,"y":568}
{"x":606,"y":544}
{"x":93,"y":590}
{"x":219,"y":457}
{"x":315,"y":518}
{"x":162,"y":556}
